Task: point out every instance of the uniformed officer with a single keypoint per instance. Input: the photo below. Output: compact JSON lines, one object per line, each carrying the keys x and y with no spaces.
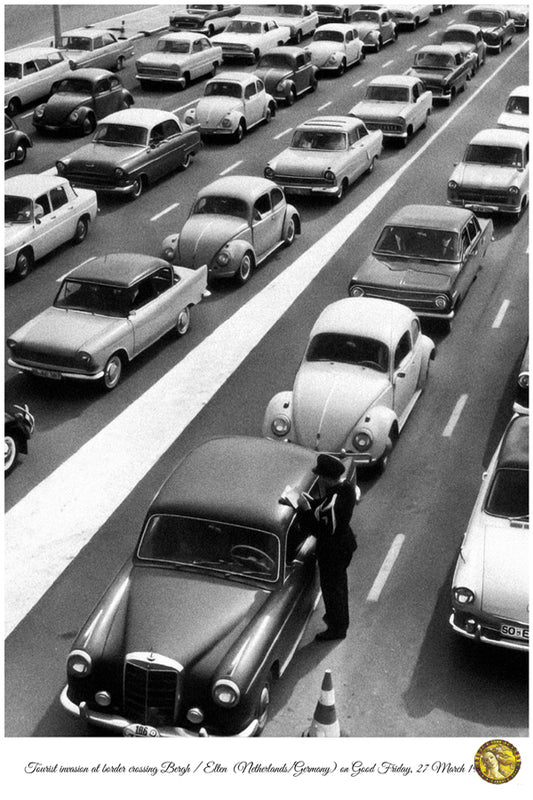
{"x":328,"y":517}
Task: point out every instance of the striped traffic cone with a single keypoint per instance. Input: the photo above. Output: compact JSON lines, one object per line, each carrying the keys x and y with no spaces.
{"x":325,"y":721}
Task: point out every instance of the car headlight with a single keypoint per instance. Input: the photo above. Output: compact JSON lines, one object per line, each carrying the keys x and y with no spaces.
{"x":281,"y":85}
{"x":463,"y":595}
{"x":441,"y":301}
{"x":79,"y":664}
{"x":39,"y":111}
{"x":281,"y":425}
{"x":119,"y":173}
{"x":362,"y":441}
{"x":329,"y":176}
{"x":452,"y":185}
{"x":226,"y":122}
{"x":223,"y":258}
{"x":190,"y":116}
{"x":514,"y":190}
{"x":333,"y":59}
{"x":523,"y":380}
{"x":11,"y":343}
{"x":176,"y":68}
{"x":168,"y":253}
{"x":85,"y":358}
{"x":269,"y":172}
{"x":226,"y":693}
{"x":61,"y":167}
{"x":74,"y":116}
{"x":356,"y":291}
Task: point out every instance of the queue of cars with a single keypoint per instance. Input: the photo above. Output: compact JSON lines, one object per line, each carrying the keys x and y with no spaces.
{"x":363,"y":370}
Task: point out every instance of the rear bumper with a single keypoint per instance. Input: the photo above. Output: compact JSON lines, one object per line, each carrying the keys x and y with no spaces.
{"x":479,"y":636}
{"x":59,"y":374}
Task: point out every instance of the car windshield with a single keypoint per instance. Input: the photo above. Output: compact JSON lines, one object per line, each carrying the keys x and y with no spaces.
{"x":434,"y":60}
{"x":12,"y":70}
{"x":497,"y":155}
{"x":390,"y":94}
{"x":294,"y":11}
{"x":17,"y":209}
{"x":328,"y":36}
{"x":219,"y":204}
{"x":112,"y":133}
{"x":73,"y":86}
{"x":459,"y":36}
{"x":485,"y":17}
{"x":517,"y":105}
{"x":243,"y":26}
{"x":318,"y":140}
{"x":276,"y":61}
{"x":408,"y":242}
{"x":111,"y":301}
{"x":76,"y":42}
{"x":349,"y":349}
{"x":169,"y":46}
{"x":224,"y":89}
{"x":209,"y":545}
{"x":366,"y":16}
{"x":508,"y":494}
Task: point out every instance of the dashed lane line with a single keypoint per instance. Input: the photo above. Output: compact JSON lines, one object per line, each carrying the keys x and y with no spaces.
{"x":456,"y":413}
{"x":324,"y":106}
{"x":387,"y":63}
{"x":357,"y":83}
{"x":283,"y":133}
{"x":501,"y":314}
{"x":232,"y":167}
{"x":165,"y":211}
{"x":386,"y":568}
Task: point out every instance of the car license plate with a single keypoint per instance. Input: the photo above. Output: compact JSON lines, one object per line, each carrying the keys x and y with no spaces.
{"x":140,"y":730}
{"x":48,"y":373}
{"x":514,"y":632}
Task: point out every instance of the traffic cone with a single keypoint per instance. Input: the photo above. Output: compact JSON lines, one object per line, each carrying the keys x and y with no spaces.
{"x":325,"y":722}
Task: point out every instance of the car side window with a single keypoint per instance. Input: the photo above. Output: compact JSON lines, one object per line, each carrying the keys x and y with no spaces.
{"x":249,"y":91}
{"x":277,"y":197}
{"x":44,"y":202}
{"x":205,"y":44}
{"x":402,"y":350}
{"x":300,"y":61}
{"x":416,"y":91}
{"x":361,"y":132}
{"x":55,"y":58}
{"x":465,"y":240}
{"x":197,"y":46}
{"x":261,"y":207}
{"x":30,"y":67}
{"x":107,"y":38}
{"x":102,"y":86}
{"x":157,"y":134}
{"x":98,"y":43}
{"x":415,"y":330}
{"x":296,"y":535}
{"x":526,"y":155}
{"x":142,"y":293}
{"x":58,"y":197}
{"x":170,"y":128}
{"x":162,"y":280}
{"x":349,"y":36}
{"x":114,"y":83}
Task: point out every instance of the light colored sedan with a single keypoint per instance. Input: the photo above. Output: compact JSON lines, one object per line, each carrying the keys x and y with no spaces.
{"x":236,"y":223}
{"x":233,"y":103}
{"x":29,"y":74}
{"x":96,"y":47}
{"x":516,"y":113}
{"x":326,"y":155}
{"x":107,"y":311}
{"x":42,"y":212}
{"x":335,"y":47}
{"x":249,"y":37}
{"x":365,"y":366}
{"x":490,"y":585}
{"x":397,"y":105}
{"x":179,"y":58}
{"x":411,"y":14}
{"x":493,"y":175}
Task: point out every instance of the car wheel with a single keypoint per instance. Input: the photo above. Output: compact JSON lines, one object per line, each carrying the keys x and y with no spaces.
{"x":256,"y":56}
{"x":187,"y":161}
{"x":268,"y":115}
{"x":138,"y":186}
{"x":13,"y":107}
{"x":120,"y":63}
{"x":342,"y":67}
{"x":23,"y":264}
{"x":145,"y":85}
{"x":341,"y":191}
{"x":88,"y":125}
{"x":245,"y":269}
{"x":210,"y":31}
{"x":183,"y":322}
{"x":345,"y":15}
{"x":112,"y":372}
{"x":20,"y":153}
{"x":186,"y":80}
{"x":416,"y":23}
{"x":523,"y":206}
{"x":82,"y":228}
{"x":239,"y":133}
{"x":263,"y":708}
{"x":425,"y":119}
{"x":213,"y":70}
{"x":381,"y":464}
{"x":291,"y":233}
{"x":372,"y":165}
{"x":11,"y":452}
{"x":298,"y":37}
{"x":291,"y":97}
{"x":314,"y":84}
{"x":379,"y":44}
{"x":499,"y":48}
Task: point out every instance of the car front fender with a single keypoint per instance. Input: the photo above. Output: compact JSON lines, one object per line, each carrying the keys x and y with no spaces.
{"x":169,"y":247}
{"x":378,"y":422}
{"x":235,"y":249}
{"x":280,"y":405}
{"x":290,"y":213}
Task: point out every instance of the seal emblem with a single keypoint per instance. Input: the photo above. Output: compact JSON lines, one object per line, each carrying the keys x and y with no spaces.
{"x":497,"y":761}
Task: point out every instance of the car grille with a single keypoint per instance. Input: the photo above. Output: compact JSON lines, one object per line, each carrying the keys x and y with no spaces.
{"x":172,"y":73}
{"x":485,"y":196}
{"x":291,"y":180}
{"x":151,"y":689}
{"x":25,"y":355}
{"x":386,"y":127}
{"x":237,"y":49}
{"x":419,"y":302}
{"x":184,"y":24}
{"x":91,"y":178}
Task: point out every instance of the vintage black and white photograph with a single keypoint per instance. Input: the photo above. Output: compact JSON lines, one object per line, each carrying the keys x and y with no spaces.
{"x":266,"y":373}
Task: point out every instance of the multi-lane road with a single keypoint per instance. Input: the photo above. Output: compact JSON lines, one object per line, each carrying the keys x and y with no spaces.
{"x":76,"y":502}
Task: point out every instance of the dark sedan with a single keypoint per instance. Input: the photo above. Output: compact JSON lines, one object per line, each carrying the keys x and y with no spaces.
{"x":425,"y":257}
{"x":80,"y":99}
{"x":18,"y":427}
{"x":496,"y":24}
{"x":206,"y":615}
{"x":131,"y":149}
{"x":469,"y":38}
{"x":16,"y":142}
{"x":287,"y":73}
{"x":444,"y":69}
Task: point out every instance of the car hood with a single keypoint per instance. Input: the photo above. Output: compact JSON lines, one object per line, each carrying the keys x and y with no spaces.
{"x":380,"y":109}
{"x":518,"y":121}
{"x":237,"y":38}
{"x":505,"y":572}
{"x":321,"y":51}
{"x":406,"y":274}
{"x":328,"y":400}
{"x":210,"y":111}
{"x":486,"y":176}
{"x":305,"y":163}
{"x":271,"y":76}
{"x":59,"y":106}
{"x":178,"y":615}
{"x":364,"y":28}
{"x":105,"y":156}
{"x":203,"y":235}
{"x":58,"y":329}
{"x":163,"y":59}
{"x":430,"y":77}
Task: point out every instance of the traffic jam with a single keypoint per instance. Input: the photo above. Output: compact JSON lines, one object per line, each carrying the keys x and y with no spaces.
{"x":266,"y":370}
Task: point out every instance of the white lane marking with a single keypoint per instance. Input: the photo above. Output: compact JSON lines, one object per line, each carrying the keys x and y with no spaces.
{"x":62,"y":278}
{"x":52,"y":523}
{"x":180,"y":108}
{"x":413,"y":47}
{"x":324,"y":106}
{"x":283,"y":133}
{"x":357,"y":83}
{"x":229,"y":169}
{"x":456,"y":413}
{"x":27,"y":114}
{"x":501,"y":314}
{"x":432,"y":34}
{"x":386,"y":568}
{"x":387,"y":63}
{"x":165,"y":211}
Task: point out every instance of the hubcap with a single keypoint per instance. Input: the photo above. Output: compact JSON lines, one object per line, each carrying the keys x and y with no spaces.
{"x":10,"y":451}
{"x":112,"y":372}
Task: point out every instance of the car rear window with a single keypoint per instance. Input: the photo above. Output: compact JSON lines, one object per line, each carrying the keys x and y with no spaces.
{"x":508,"y":494}
{"x":349,"y":349}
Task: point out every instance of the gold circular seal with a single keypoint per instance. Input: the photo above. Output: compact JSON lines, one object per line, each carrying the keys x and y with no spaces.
{"x":497,"y":761}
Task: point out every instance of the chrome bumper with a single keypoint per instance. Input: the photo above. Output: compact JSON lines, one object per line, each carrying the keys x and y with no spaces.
{"x":477,"y":636}
{"x":39,"y":370}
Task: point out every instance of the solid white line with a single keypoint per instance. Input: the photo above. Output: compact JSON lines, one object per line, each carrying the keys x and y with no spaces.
{"x":456,"y":413}
{"x":165,"y":211}
{"x":62,"y":278}
{"x":50,"y":525}
{"x":324,"y":106}
{"x":357,"y":83}
{"x":501,"y":314}
{"x":387,"y":63}
{"x":180,"y":108}
{"x":283,"y":133}
{"x":27,"y":114}
{"x":386,"y":568}
{"x":413,"y":47}
{"x":432,"y":34}
{"x":233,"y":166}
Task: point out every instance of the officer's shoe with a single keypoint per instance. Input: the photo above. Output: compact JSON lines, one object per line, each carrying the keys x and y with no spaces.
{"x":330,"y":635}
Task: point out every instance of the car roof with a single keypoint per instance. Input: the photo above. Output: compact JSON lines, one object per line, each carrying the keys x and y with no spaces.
{"x":463,"y":26}
{"x":438,"y":217}
{"x":384,"y":320}
{"x":29,"y":53}
{"x":501,"y":137}
{"x":90,"y":33}
{"x":286,"y":50}
{"x":117,"y":269}
{"x":32,"y":185}
{"x":514,"y":451}
{"x":336,"y":26}
{"x":138,"y":116}
{"x":237,"y":479}
{"x":486,"y":8}
{"x":394,"y":80}
{"x":175,"y":36}
{"x":447,"y":47}
{"x":520,"y":91}
{"x":236,"y":77}
{"x":89,"y":74}
{"x":248,"y":187}
{"x":331,"y":123}
{"x":252,"y":18}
